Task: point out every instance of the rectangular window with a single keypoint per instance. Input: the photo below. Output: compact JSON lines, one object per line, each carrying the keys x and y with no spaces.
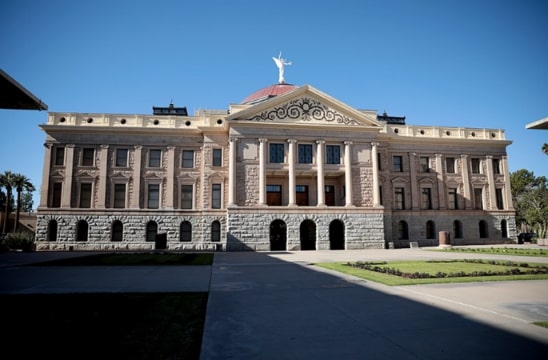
{"x":59,"y":156}
{"x":333,"y":154}
{"x":397,"y":163}
{"x":379,"y":167}
{"x":329,"y":194}
{"x":452,"y":203}
{"x":476,"y":166}
{"x":478,"y":199}
{"x":277,"y":153}
{"x":154,"y":157}
{"x":305,"y":153}
{"x":380,"y":195}
{"x":500,"y":202}
{"x":186,"y":196}
{"x":496,"y":166}
{"x":424,"y":162}
{"x":450,"y":165}
{"x":216,"y":196}
{"x":153,"y":196}
{"x":88,"y":155}
{"x":302,"y":195}
{"x":56,"y":195}
{"x":121,"y":157}
{"x":85,"y":195}
{"x":188,"y":159}
{"x":217,"y":157}
{"x":399,"y":199}
{"x":274,"y":195}
{"x":119,"y":196}
{"x":426,"y":198}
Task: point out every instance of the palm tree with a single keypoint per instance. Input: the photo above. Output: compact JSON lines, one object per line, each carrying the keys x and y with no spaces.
{"x":545,"y":148}
{"x":6,"y":181}
{"x":20,"y":183}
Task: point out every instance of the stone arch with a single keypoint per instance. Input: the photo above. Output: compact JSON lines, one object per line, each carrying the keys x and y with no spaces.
{"x":403,"y":230}
{"x":308,"y":235}
{"x":430,"y":229}
{"x":185,"y":231}
{"x":278,"y":235}
{"x":151,"y":231}
{"x":216,"y":231}
{"x":336,"y":235}
{"x":457,"y":229}
{"x":117,"y":231}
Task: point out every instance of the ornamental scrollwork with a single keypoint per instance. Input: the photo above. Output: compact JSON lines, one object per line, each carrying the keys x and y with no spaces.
{"x":304,"y":109}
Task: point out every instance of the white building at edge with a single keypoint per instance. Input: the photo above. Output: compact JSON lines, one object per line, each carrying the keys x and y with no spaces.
{"x":289,"y":168}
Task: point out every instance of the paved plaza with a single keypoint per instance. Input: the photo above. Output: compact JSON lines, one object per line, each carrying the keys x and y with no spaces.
{"x":279,"y":305}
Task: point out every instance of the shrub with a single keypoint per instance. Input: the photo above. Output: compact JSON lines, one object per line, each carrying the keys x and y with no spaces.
{"x":20,"y":241}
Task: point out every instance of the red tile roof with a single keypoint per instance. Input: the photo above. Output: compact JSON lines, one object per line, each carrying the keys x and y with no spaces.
{"x":268,"y":92}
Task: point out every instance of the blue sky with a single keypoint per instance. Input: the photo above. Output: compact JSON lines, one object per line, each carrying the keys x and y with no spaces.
{"x":468,"y":63}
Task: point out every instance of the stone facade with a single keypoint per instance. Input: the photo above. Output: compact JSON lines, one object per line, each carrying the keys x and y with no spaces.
{"x":298,"y":170}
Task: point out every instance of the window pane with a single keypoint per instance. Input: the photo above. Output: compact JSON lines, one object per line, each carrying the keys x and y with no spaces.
{"x":188,"y":159}
{"x":186,"y":231}
{"x":217,"y":157}
{"x":56,"y":195}
{"x":216,"y":196}
{"x":426,"y":198}
{"x":119,"y":196}
{"x":85,"y":195}
{"x":478,"y":198}
{"x":475,"y":166}
{"x":450,"y":165}
{"x":333,"y":154}
{"x":397,"y":164}
{"x":277,"y":153}
{"x":153,"y":196}
{"x":87,"y":156}
{"x":59,"y":156}
{"x":424,"y":164}
{"x":452,"y":199}
{"x":186,"y":196}
{"x":305,"y":153}
{"x":121,"y":157}
{"x":399,"y":201}
{"x":154,"y":157}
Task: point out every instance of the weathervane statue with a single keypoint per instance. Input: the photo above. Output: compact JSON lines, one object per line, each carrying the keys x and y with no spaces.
{"x":280,"y":63}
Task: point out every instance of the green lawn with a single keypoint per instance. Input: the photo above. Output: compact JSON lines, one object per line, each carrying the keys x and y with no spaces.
{"x":432,"y":272}
{"x":129,"y":259}
{"x":497,"y":251}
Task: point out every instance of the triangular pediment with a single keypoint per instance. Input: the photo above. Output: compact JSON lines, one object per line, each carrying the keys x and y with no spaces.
{"x":306,"y":105}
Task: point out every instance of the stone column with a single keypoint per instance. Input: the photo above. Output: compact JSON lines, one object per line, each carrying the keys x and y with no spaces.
{"x":413,"y":176}
{"x":232,"y":143}
{"x":67,"y":179}
{"x":491,"y":182}
{"x":170,"y":181}
{"x":103,"y":168}
{"x":375,"y":164}
{"x":262,"y":171}
{"x":45,"y":176}
{"x":507,"y":187}
{"x":466,"y":182}
{"x":292,"y":180}
{"x":348,"y":173}
{"x":136,"y":194}
{"x":442,"y":197}
{"x":320,"y":174}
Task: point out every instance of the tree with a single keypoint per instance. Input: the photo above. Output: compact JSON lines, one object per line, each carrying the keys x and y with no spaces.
{"x":27,"y":201}
{"x":6,"y":181}
{"x":530,"y":197}
{"x":545,"y":148}
{"x":20,"y":183}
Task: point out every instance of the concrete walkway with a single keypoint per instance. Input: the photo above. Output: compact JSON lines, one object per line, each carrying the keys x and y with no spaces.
{"x":280,"y":306}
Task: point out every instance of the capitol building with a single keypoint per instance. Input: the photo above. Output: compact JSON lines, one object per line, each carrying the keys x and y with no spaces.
{"x":287,"y":168}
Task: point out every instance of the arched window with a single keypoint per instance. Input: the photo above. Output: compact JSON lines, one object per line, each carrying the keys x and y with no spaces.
{"x":403,"y":230}
{"x":152,"y":230}
{"x":117,"y":231}
{"x":185,"y":232}
{"x":82,"y":230}
{"x":430,"y":230}
{"x":52,"y":231}
{"x":483,"y":230}
{"x":215,"y":231}
{"x":504,"y":229}
{"x":457,"y":229}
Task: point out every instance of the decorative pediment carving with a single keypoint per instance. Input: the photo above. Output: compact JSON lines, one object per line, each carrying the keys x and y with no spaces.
{"x":304,"y":109}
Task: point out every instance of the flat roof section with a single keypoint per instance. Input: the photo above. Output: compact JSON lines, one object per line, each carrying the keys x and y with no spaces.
{"x":541,"y":124}
{"x":14,"y":96}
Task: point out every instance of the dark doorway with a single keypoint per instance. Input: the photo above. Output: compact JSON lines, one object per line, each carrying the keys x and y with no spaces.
{"x":336,"y":235}
{"x":308,"y":235}
{"x":330,"y":195}
{"x":278,"y":236}
{"x":302,"y":195}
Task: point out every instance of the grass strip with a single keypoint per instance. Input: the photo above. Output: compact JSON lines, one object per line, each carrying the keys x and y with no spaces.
{"x":113,"y":259}
{"x":496,"y":251}
{"x":469,"y":271}
{"x":111,"y":325}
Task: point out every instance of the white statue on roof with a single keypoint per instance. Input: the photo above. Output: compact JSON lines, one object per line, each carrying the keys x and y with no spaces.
{"x":280,"y":63}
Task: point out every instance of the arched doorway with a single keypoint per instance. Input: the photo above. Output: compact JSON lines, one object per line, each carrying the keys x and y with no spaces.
{"x":430,"y":230}
{"x":308,"y":235}
{"x":82,"y":230}
{"x":336,"y":235}
{"x":117,"y":231}
{"x":483,"y":229}
{"x":457,"y":229}
{"x":403,"y":230}
{"x":52,"y":231}
{"x":152,"y":230}
{"x":278,"y":235}
{"x":504,"y":229}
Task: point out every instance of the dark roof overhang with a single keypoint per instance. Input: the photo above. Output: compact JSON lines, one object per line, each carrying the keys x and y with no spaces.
{"x":15,"y":96}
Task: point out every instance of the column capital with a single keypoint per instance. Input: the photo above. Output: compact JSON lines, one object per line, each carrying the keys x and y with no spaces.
{"x":488,"y":156}
{"x":292,"y":141}
{"x":70,"y":146}
{"x":349,"y":142}
{"x":320,"y":141}
{"x":105,"y":146}
{"x":438,"y":155}
{"x":464,"y":156}
{"x":373,"y":144}
{"x":170,"y":147}
{"x":138,"y":147}
{"x":233,"y":139}
{"x":263,"y":140}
